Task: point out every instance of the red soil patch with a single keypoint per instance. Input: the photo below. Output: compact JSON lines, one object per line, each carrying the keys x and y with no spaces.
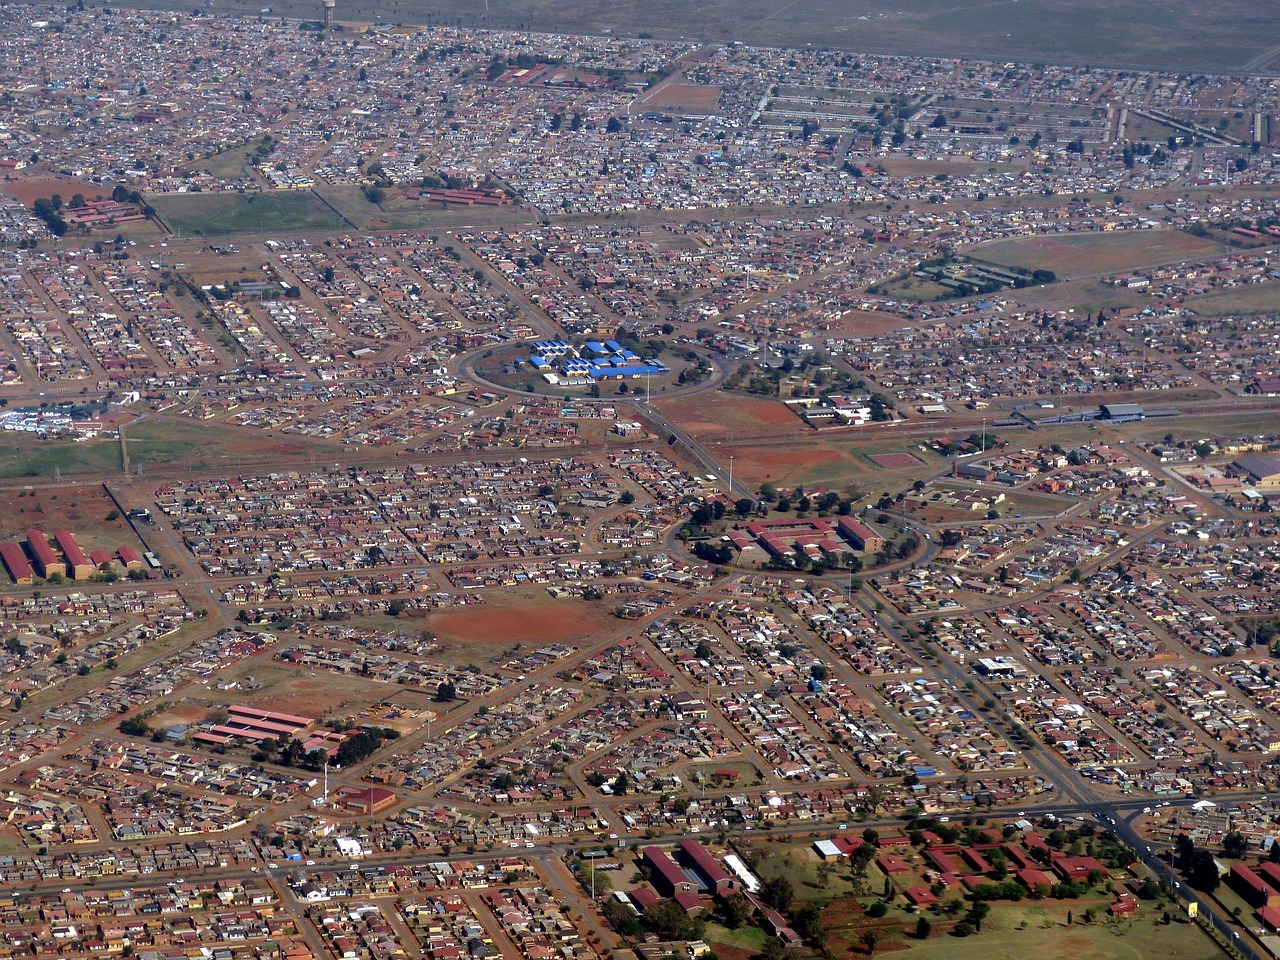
{"x":724,"y":415}
{"x":894,"y":461}
{"x":314,"y":697}
{"x":778,"y":465}
{"x":82,"y":510}
{"x":29,"y":191}
{"x":868,"y":323}
{"x":544,"y":621}
{"x":690,"y":96}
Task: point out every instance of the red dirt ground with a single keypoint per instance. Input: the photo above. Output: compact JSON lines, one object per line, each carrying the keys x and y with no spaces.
{"x":753,"y":465}
{"x":722,"y":416}
{"x":29,"y":191}
{"x":894,"y":461}
{"x":691,"y":96}
{"x":536,"y":621}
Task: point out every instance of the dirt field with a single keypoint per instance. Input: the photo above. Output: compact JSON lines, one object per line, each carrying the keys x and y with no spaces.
{"x":690,"y":97}
{"x":723,"y":416}
{"x":894,"y":461}
{"x":1085,"y":255}
{"x":867,"y":323}
{"x":269,"y":686}
{"x":1260,"y":298}
{"x":529,"y":621}
{"x":28,"y":191}
{"x":911,"y":167}
{"x":82,"y":510}
{"x":781,"y":466}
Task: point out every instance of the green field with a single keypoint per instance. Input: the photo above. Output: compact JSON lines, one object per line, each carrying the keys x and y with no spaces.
{"x":1090,"y":254}
{"x":47,"y":458}
{"x":400,"y":214}
{"x":221,"y":214}
{"x":1047,"y":937}
{"x":1175,"y":35}
{"x":1259,"y":298}
{"x":209,"y":446}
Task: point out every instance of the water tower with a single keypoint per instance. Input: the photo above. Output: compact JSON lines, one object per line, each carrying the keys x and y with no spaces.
{"x":328,"y":12}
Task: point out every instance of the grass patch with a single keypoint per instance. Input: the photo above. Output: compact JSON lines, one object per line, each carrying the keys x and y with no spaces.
{"x":396,"y":213}
{"x":746,"y":937}
{"x":200,"y":445}
{"x":1258,"y":298}
{"x":35,"y":458}
{"x":1088,"y":254}
{"x":1047,"y":936}
{"x":220,"y":214}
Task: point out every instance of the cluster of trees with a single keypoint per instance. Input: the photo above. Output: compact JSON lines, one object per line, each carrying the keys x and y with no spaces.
{"x":666,"y":920}
{"x":47,"y":209}
{"x":1197,"y":863}
{"x":288,"y":751}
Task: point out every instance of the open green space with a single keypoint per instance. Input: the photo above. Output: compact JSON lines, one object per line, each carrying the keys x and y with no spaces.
{"x":1258,"y":298}
{"x":48,"y":458}
{"x":1046,"y":936}
{"x":221,"y":214}
{"x":203,"y":446}
{"x":745,"y":937}
{"x":400,"y":214}
{"x":1088,"y":254}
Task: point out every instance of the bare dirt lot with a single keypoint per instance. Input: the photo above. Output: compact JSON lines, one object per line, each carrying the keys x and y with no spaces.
{"x":82,"y":510}
{"x":689,"y":97}
{"x":529,"y":620}
{"x":723,"y":416}
{"x":1088,"y":254}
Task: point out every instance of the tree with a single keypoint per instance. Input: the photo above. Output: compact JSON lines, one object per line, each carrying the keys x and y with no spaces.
{"x":1234,"y":845}
{"x":869,"y":940}
{"x":771,"y":949}
{"x":923,"y":928}
{"x":446,"y":692}
{"x":669,"y":921}
{"x":734,"y":911}
{"x":977,"y":913}
{"x":1201,"y":870}
{"x":778,"y":893}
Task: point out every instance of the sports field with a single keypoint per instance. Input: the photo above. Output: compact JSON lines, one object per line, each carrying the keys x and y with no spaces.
{"x":221,"y":214}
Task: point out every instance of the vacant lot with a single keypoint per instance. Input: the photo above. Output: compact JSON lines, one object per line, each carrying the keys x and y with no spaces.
{"x":193,"y":445}
{"x":220,"y":214}
{"x":690,"y":97}
{"x":719,"y":416}
{"x":1088,"y":254}
{"x":1259,"y":298}
{"x":82,"y":510}
{"x":534,"y":620}
{"x":319,"y":694}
